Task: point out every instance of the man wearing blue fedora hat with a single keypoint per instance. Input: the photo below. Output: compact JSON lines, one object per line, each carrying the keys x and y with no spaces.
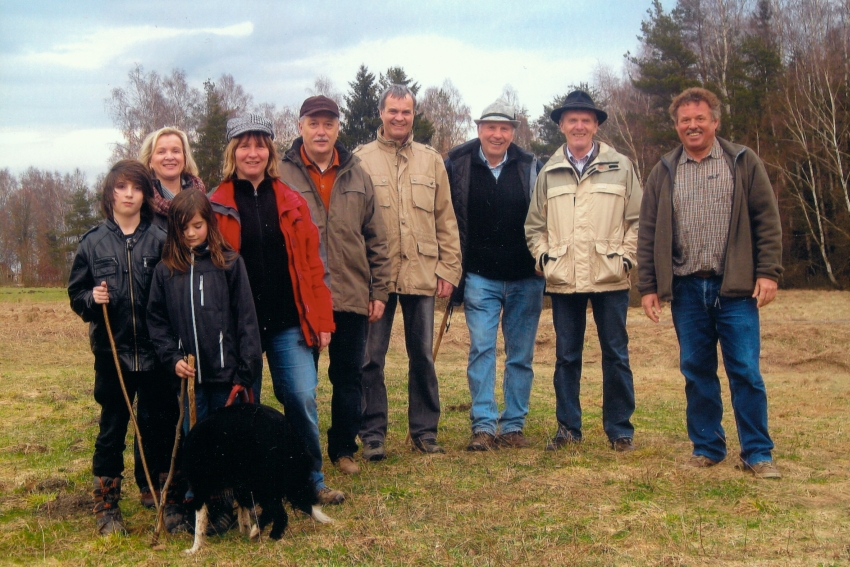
{"x":582,"y":228}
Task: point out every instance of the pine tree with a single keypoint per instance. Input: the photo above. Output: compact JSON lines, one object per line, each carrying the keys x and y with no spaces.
{"x":361,"y":110}
{"x":212,"y":138}
{"x":81,"y":217}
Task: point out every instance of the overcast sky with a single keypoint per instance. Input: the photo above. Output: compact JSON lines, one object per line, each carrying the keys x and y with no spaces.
{"x":59,"y":59}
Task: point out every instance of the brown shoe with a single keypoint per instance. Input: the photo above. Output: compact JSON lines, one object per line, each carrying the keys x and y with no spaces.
{"x":701,"y":462}
{"x":328,"y":496}
{"x":346,"y":465}
{"x":763,"y":469}
{"x":623,"y":445}
{"x":512,"y":440}
{"x":427,"y":445}
{"x":146,"y":497}
{"x":562,"y":438}
{"x":482,"y":441}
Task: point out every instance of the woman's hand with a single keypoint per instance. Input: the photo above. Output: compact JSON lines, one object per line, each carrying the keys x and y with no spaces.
{"x":183,"y":370}
{"x":324,"y":340}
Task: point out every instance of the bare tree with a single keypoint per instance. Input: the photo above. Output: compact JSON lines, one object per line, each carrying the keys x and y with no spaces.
{"x":451,"y":118}
{"x":285,"y":123}
{"x":322,"y":85}
{"x":524,"y":134}
{"x":232,"y":96}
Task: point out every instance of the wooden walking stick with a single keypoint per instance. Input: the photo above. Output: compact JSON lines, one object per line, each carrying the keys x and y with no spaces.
{"x":178,"y":431}
{"x":193,"y":409}
{"x":130,"y":407}
{"x":444,"y":326}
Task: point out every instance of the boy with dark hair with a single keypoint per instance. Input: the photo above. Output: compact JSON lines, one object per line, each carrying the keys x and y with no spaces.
{"x":113,"y":267}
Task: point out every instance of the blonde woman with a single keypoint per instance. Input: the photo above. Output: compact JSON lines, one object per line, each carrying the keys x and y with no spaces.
{"x":168,"y":156}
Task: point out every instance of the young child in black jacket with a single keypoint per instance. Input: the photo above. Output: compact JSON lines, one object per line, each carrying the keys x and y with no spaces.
{"x":201,"y":304}
{"x":113,"y":267}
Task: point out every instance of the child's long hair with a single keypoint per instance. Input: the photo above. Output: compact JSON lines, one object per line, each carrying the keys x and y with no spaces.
{"x":176,"y":254}
{"x":137,"y":174}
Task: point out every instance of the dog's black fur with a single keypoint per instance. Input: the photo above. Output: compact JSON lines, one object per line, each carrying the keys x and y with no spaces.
{"x":252,"y":450}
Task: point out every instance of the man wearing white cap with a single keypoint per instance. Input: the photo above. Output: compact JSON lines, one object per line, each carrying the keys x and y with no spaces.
{"x":492,"y":180}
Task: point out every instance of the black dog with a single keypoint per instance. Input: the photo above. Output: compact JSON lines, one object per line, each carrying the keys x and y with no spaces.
{"x":251,"y":450}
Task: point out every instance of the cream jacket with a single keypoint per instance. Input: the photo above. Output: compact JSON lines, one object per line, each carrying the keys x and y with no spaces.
{"x":583,"y":230}
{"x":412,"y":191}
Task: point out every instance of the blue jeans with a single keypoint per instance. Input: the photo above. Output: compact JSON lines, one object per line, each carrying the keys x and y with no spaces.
{"x":294,"y":380}
{"x":702,"y":317}
{"x":519,"y":303}
{"x":569,"y":314}
{"x":208,"y":398}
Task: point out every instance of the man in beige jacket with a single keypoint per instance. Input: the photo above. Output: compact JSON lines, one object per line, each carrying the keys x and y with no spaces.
{"x":412,"y":192}
{"x":582,"y":229}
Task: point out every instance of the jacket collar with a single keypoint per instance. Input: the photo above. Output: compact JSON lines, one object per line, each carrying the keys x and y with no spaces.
{"x":733,"y":152}
{"x":392,"y":145}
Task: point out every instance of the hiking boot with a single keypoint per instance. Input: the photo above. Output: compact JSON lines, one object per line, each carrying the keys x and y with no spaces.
{"x":146,"y":497}
{"x":701,"y":462}
{"x":762,"y":469}
{"x":562,"y":438}
{"x":174,"y":517}
{"x":374,"y":451}
{"x":623,"y":445}
{"x":512,"y":440}
{"x":427,"y":445}
{"x":328,"y":496}
{"x":346,"y":465}
{"x":107,"y":493}
{"x":482,"y":441}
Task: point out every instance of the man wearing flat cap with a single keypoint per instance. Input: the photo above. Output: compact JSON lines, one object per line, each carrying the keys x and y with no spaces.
{"x":492,"y":180}
{"x":354,"y":250}
{"x":582,"y":229}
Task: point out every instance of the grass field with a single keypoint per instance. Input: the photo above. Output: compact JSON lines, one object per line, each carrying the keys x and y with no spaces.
{"x":584,"y":506}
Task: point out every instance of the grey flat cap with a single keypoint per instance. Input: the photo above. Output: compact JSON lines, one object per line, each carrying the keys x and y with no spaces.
{"x":499,"y":111}
{"x":249,"y":123}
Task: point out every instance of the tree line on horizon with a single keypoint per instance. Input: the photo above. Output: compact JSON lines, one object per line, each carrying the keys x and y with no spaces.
{"x":780,"y":67}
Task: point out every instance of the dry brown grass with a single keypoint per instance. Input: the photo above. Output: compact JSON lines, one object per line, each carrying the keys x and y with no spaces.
{"x":587,"y":506}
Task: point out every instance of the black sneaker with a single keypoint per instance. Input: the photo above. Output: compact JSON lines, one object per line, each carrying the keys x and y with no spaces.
{"x":374,"y":451}
{"x":427,"y":445}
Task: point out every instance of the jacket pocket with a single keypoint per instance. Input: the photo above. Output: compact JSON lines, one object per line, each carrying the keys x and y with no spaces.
{"x":381,"y":184}
{"x":607,"y":206}
{"x":106,"y":269}
{"x":560,"y":213}
{"x":608,"y":265}
{"x":560,"y":268}
{"x":423,"y":189}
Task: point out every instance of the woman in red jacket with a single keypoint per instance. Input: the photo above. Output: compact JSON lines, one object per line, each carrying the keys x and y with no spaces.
{"x":270,"y":225}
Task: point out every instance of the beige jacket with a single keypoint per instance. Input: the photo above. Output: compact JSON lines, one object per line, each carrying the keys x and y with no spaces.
{"x":583,"y":231}
{"x":412,"y":191}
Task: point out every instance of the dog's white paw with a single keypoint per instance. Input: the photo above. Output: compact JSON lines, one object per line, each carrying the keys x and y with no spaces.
{"x":255,"y":533}
{"x":320,"y":516}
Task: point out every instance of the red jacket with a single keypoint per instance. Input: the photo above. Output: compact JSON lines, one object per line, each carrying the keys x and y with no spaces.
{"x":312,"y":296}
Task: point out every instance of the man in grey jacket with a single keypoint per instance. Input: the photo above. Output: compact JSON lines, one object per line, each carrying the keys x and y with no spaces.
{"x":711,"y":243}
{"x":354,"y":250}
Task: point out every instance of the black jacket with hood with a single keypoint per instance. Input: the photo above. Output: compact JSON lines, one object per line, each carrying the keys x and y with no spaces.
{"x":212,"y":308}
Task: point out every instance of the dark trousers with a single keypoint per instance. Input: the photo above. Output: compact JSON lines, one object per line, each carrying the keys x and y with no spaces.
{"x":345,"y":371}
{"x":569,"y":315}
{"x":155,"y":400}
{"x":423,"y":407}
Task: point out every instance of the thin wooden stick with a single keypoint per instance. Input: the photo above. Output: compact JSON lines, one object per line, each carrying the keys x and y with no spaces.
{"x":178,"y":431}
{"x":193,"y":409}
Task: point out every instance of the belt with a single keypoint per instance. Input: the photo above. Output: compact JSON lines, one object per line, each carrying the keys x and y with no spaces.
{"x":705,"y":274}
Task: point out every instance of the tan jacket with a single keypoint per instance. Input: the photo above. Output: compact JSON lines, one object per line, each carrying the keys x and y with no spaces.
{"x":412,"y":190}
{"x":354,"y":242}
{"x":583,"y":231}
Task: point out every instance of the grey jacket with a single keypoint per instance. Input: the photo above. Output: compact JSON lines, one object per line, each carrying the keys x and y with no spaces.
{"x":754,"y":249}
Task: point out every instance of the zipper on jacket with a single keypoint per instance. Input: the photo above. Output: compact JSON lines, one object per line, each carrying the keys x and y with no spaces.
{"x":129,"y":247}
{"x":201,"y":289}
{"x":194,"y":326}
{"x":221,"y":347}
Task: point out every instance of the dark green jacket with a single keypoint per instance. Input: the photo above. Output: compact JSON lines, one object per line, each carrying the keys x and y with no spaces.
{"x":354,"y":241}
{"x":754,"y":248}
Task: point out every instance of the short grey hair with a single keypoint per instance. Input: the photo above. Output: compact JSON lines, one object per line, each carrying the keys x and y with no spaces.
{"x":396,"y":91}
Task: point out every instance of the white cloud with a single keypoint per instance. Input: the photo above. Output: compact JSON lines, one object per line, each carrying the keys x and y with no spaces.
{"x":95,"y":50}
{"x":478,"y":73}
{"x":62,"y":149}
